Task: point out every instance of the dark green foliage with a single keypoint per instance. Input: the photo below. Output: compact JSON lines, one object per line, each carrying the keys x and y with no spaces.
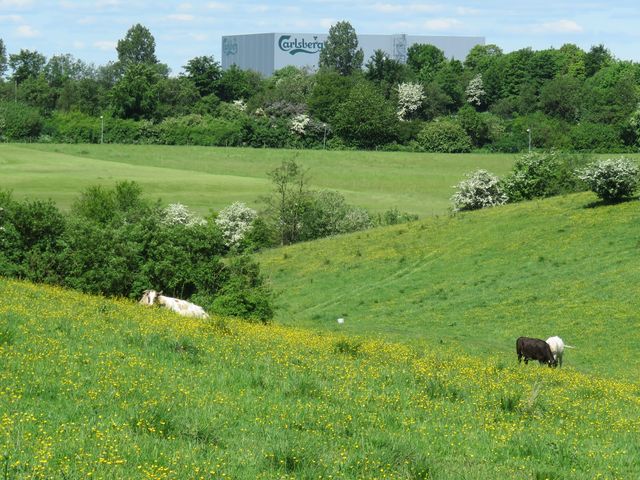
{"x":26,"y":64}
{"x":244,"y":293}
{"x":116,"y":243}
{"x":444,"y":135}
{"x":205,"y":73}
{"x":3,"y":58}
{"x":138,"y":46}
{"x":237,"y":84}
{"x":135,"y":96}
{"x":19,"y":122}
{"x":425,"y":61}
{"x":596,"y":137}
{"x":366,"y":119}
{"x":330,"y":91}
{"x":199,"y":130}
{"x":340,"y":51}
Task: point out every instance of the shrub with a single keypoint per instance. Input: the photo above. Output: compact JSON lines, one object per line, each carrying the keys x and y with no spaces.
{"x":481,"y":189}
{"x":179,"y":214}
{"x":596,"y":137}
{"x":244,"y":293}
{"x":19,"y":122}
{"x":73,"y":127}
{"x":612,"y":180}
{"x":534,"y":175}
{"x":328,"y":214}
{"x":235,"y":222}
{"x":444,"y":135}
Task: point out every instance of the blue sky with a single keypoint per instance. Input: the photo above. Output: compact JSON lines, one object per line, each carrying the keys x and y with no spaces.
{"x":90,"y":29}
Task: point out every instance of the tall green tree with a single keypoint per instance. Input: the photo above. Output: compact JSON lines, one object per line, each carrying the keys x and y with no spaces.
{"x":366,"y":119}
{"x":425,"y":60}
{"x":205,"y":73}
{"x":26,"y":64}
{"x":3,"y":58}
{"x":340,"y":51}
{"x":62,"y":68}
{"x":138,"y":46}
{"x":136,"y":94}
{"x":385,"y":72}
{"x":597,"y":58}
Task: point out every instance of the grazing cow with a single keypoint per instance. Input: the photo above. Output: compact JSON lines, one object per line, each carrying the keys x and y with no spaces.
{"x":188,"y":309}
{"x":557,"y":348}
{"x":534,"y":349}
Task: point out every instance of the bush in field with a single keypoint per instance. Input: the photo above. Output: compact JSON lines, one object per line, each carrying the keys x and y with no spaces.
{"x":179,"y":214}
{"x":30,"y":234}
{"x":612,"y":179}
{"x":244,"y":294}
{"x":73,"y":127}
{"x":328,"y":214}
{"x":538,"y":175}
{"x":235,"y":222}
{"x":534,"y":175}
{"x":19,"y":122}
{"x":481,"y":189}
{"x":444,"y":135}
{"x":118,"y":244}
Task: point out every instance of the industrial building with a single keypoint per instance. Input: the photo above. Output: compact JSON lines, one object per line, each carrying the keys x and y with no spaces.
{"x":267,"y":52}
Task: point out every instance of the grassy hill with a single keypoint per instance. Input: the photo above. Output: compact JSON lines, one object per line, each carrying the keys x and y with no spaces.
{"x":94,"y":388}
{"x":476,"y":281}
{"x":207,"y":178}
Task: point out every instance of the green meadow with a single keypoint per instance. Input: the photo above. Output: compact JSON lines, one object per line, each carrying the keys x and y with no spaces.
{"x":109,"y":389}
{"x":419,"y":382}
{"x":476,"y":281}
{"x":211,"y":178}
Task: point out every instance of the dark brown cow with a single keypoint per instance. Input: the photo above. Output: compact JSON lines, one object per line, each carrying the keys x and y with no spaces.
{"x":534,"y":349}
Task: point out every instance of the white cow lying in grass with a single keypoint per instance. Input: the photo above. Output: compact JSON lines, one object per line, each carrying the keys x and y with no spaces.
{"x":188,"y":309}
{"x":557,"y":348}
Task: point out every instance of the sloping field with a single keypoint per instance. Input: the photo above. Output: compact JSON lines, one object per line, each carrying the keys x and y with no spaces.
{"x":477,"y":281}
{"x":91,"y":388}
{"x":206,"y":178}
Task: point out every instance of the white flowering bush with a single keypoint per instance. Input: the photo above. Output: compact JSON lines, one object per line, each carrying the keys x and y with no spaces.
{"x":179,"y":214}
{"x":481,"y":189}
{"x":410,"y":97}
{"x":612,"y":179}
{"x":475,"y":91}
{"x":240,"y":105}
{"x":299,"y":123}
{"x":235,"y":221}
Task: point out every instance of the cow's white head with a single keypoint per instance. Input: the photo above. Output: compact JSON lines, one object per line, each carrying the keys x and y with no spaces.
{"x":148,"y":297}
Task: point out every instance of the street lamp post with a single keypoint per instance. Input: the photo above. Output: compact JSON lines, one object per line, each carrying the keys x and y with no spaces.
{"x":101,"y":129}
{"x":529,"y":132}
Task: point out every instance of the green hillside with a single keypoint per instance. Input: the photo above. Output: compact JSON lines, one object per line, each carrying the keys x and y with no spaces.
{"x":206,"y":178}
{"x":91,"y":388}
{"x":476,"y":281}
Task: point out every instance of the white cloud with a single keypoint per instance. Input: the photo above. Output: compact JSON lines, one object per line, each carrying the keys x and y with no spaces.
{"x":87,"y":20}
{"x":27,"y":31}
{"x":257,"y":8}
{"x":407,"y":8}
{"x":559,"y":26}
{"x":199,"y":37}
{"x":442,"y":23}
{"x":108,"y":3}
{"x":181,"y":17}
{"x":105,"y":45}
{"x":185,"y":6}
{"x":79,"y":45}
{"x":327,"y":22}
{"x":15,"y":3}
{"x":218,"y":6}
{"x":11,"y":18}
{"x":467,"y":11}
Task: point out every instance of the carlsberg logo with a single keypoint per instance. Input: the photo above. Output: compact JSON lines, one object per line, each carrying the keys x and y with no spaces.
{"x":286,"y":44}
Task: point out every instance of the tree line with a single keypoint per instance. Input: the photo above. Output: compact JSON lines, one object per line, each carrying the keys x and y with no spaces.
{"x":559,"y":98}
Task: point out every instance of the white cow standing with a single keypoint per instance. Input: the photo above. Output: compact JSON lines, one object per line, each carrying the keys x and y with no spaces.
{"x":187,"y":309}
{"x":557,"y":348}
